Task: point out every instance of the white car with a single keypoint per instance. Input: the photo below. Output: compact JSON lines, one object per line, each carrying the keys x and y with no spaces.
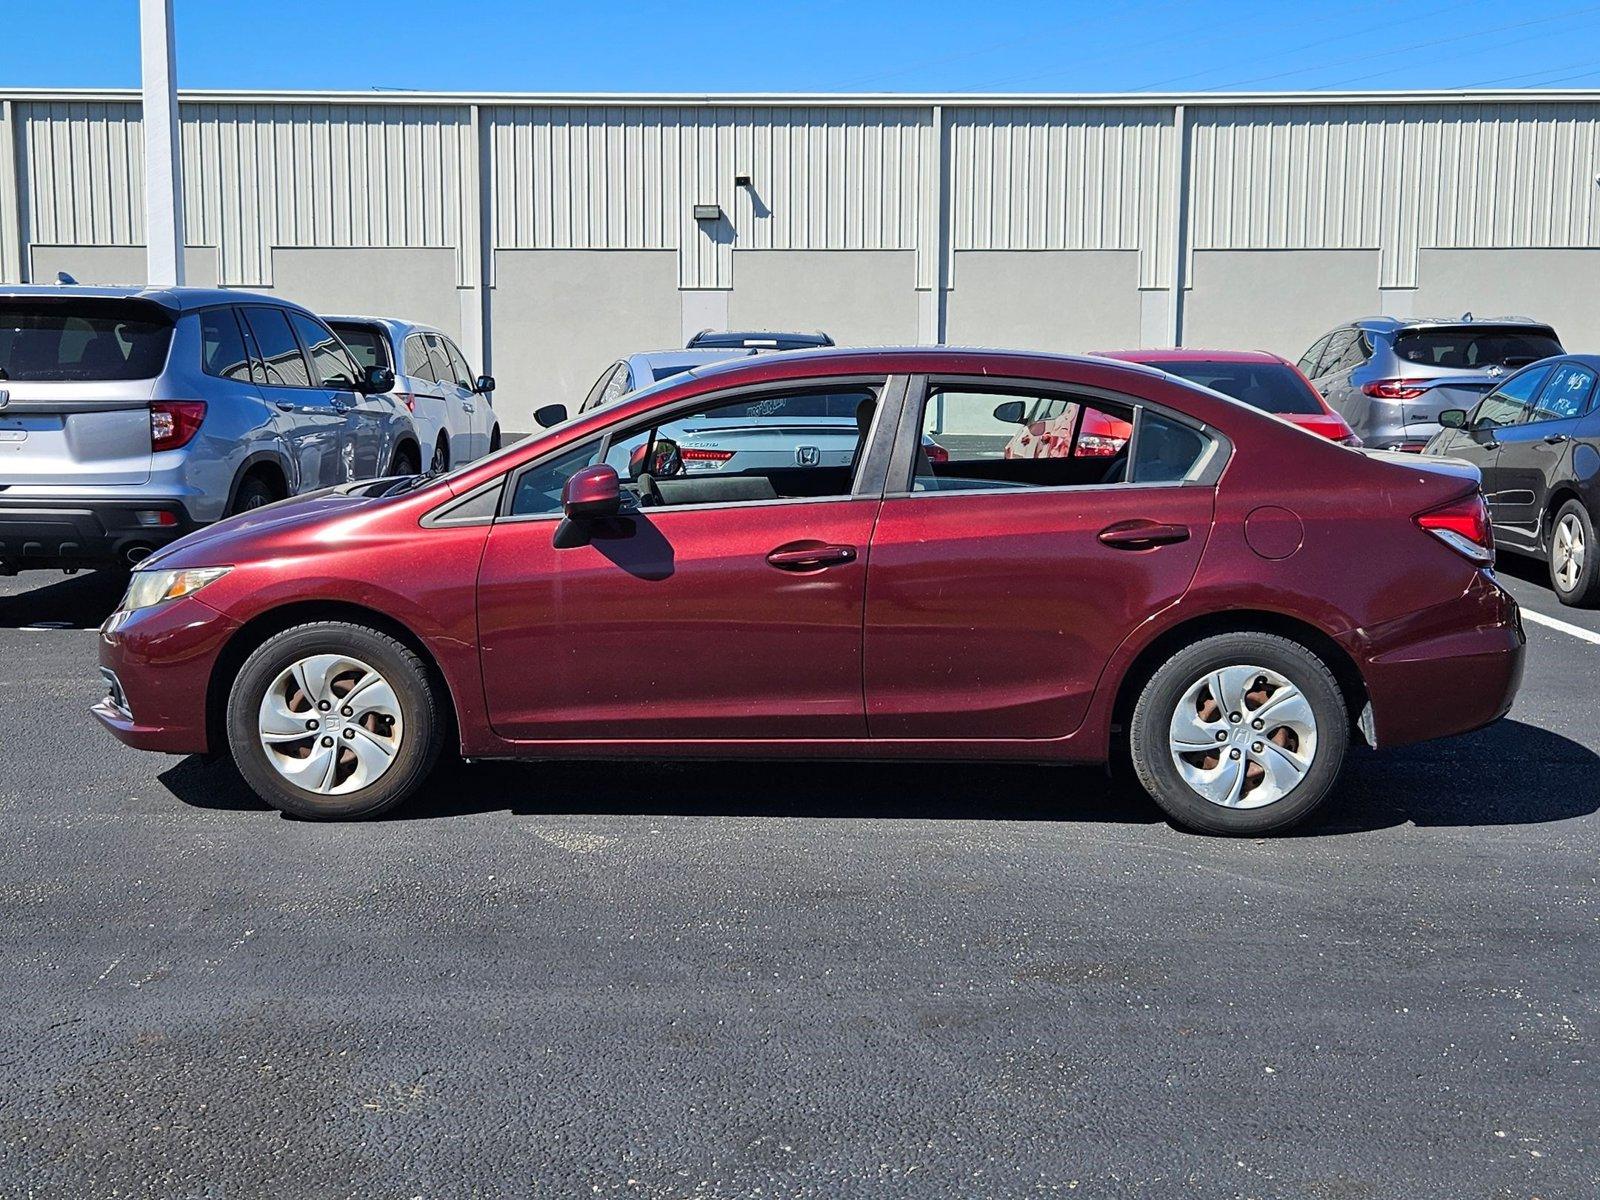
{"x":455,"y":420}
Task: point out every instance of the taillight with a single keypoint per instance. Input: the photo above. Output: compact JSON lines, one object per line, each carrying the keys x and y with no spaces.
{"x":1395,"y":389}
{"x":714,"y":457}
{"x":1098,"y":445}
{"x":409,"y":400}
{"x":173,"y":423}
{"x":936,"y":453}
{"x":1463,"y":525}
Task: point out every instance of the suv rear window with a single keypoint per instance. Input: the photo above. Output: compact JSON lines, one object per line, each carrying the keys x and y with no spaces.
{"x":1271,"y":387}
{"x":94,"y":340}
{"x":366,"y":342}
{"x":1471,"y":347}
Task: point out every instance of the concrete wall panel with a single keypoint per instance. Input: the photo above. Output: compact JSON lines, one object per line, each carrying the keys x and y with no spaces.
{"x":419,"y":285}
{"x":1067,"y":300}
{"x":1559,"y":286}
{"x":1277,"y":300}
{"x":860,"y":297}
{"x":117,"y":265}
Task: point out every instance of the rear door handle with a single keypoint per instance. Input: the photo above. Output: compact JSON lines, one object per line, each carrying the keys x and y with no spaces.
{"x":1141,"y":535}
{"x":1554,"y":439}
{"x":814,"y":557}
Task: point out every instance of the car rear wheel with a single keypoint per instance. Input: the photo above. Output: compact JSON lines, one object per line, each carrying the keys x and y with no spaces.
{"x":441,"y":458}
{"x":333,"y":720}
{"x":405,"y":462}
{"x":254,"y":492}
{"x":1574,"y":573}
{"x":1242,"y":733}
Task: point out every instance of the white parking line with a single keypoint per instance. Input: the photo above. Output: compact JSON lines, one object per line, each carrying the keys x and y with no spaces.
{"x":1583,"y":635}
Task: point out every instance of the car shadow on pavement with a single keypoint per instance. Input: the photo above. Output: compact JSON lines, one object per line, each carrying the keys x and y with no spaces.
{"x":61,"y":602}
{"x":1509,"y":774}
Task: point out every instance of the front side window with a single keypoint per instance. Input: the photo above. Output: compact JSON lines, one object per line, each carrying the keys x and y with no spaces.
{"x":442,"y":371}
{"x":285,"y":366}
{"x":222,"y":349}
{"x":1565,"y":395}
{"x":1507,"y":403}
{"x":458,"y":364}
{"x":330,"y":366}
{"x":82,"y":340}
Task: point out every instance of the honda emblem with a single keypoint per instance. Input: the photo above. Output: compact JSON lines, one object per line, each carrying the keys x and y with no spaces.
{"x":808,"y":456}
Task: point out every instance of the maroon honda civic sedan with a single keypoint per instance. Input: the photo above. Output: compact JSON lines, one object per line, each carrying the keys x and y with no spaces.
{"x":1227,"y":600}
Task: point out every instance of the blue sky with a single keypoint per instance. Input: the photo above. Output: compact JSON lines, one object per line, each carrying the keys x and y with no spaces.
{"x":823,"y":45}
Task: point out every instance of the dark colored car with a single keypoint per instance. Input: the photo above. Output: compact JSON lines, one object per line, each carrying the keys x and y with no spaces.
{"x":1390,"y":378}
{"x":1225,"y":600}
{"x":1261,"y":380}
{"x":1536,"y":439}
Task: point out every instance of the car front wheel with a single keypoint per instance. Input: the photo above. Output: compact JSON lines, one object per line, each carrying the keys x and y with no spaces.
{"x":333,"y":720}
{"x":1241,"y":733}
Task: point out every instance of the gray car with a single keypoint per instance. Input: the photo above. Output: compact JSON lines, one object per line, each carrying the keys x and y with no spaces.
{"x":1391,"y":378}
{"x":130,"y":416}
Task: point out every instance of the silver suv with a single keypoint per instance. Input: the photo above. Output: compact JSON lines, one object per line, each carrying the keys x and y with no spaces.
{"x":130,"y":416}
{"x":1391,"y":378}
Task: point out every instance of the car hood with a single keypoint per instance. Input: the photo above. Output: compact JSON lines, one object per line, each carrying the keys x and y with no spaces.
{"x":251,"y":534}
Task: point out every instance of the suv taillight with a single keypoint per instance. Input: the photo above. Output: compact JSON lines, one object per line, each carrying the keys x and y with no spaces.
{"x":1463,"y":525}
{"x":173,"y":423}
{"x":1395,"y":389}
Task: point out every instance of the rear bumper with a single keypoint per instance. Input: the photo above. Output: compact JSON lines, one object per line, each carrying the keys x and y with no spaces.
{"x":158,"y":664}
{"x":1447,"y":670}
{"x":81,"y":532}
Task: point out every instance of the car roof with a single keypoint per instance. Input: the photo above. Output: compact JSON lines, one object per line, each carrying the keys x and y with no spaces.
{"x":1393,"y":324}
{"x":174,"y":299}
{"x":964,"y":360}
{"x":393,"y":324}
{"x":1187,"y":355}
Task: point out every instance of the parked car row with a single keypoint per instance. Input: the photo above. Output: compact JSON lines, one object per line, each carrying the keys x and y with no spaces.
{"x":132,"y":416}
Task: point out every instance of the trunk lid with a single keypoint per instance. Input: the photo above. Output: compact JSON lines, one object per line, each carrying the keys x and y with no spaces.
{"x":75,"y":433}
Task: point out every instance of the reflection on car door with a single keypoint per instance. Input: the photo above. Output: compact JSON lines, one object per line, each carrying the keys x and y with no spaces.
{"x":1497,"y":413}
{"x":366,"y":418}
{"x":479,"y":413}
{"x":310,"y":424}
{"x":994,"y":601}
{"x":458,"y":399}
{"x":1537,"y":450}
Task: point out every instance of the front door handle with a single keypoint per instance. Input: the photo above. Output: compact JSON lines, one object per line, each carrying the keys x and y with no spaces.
{"x":812,"y":557}
{"x":1554,"y":439}
{"x":1142,"y":535}
{"x":286,"y":405}
{"x":467,"y":408}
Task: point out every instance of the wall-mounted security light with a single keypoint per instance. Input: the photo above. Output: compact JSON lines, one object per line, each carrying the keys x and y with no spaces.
{"x":742,"y":181}
{"x":708,"y":212}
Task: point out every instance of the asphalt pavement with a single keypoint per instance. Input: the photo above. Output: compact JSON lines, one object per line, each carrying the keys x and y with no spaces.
{"x":704,"y":980}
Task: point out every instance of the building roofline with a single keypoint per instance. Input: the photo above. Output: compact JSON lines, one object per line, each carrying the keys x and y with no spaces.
{"x":829,"y":99}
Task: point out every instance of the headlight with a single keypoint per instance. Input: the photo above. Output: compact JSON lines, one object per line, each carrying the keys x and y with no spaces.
{"x":152,"y":587}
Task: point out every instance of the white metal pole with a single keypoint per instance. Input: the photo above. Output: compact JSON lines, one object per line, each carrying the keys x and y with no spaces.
{"x":163,"y":166}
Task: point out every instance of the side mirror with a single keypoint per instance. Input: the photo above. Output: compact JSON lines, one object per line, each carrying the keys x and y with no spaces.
{"x":550,"y":414}
{"x":484,"y":385}
{"x":593,"y":492}
{"x":660,"y":459}
{"x":1453,"y":418}
{"x":1010,"y":413}
{"x":375,"y":381}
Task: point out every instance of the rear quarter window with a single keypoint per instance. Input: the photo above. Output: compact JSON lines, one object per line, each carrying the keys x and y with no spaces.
{"x":82,"y":340}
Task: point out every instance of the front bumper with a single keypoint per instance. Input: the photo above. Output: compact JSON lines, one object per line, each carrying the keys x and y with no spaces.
{"x":1449,"y":669}
{"x":161,"y":660}
{"x":36,"y":533}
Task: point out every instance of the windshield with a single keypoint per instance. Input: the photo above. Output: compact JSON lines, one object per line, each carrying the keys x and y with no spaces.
{"x":82,"y":340}
{"x":366,"y":342}
{"x":1271,"y":387}
{"x":1473,"y":347}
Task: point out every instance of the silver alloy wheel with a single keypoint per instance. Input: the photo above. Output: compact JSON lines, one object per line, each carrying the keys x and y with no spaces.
{"x":1568,"y":552}
{"x":330,"y":724}
{"x":1243,"y":736}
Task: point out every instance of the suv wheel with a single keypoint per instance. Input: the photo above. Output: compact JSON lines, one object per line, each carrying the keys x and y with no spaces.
{"x":1241,"y":733}
{"x":254,"y":492}
{"x":405,"y":462}
{"x":333,"y":720}
{"x":441,"y":458}
{"x":1573,"y":552}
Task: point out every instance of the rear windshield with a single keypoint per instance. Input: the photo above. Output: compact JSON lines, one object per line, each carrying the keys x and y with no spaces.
{"x":82,"y":340}
{"x":1472,"y":347}
{"x":1271,"y":387}
{"x":367,"y":344}
{"x":841,"y":405}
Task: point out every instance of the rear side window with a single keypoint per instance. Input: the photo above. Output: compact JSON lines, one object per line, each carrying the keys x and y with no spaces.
{"x":71,"y":341}
{"x":1471,"y":347}
{"x":1566,"y":395}
{"x":330,"y":366}
{"x":988,"y":440}
{"x":280,"y":353}
{"x":222,"y":350}
{"x":366,"y":343}
{"x":1308,"y":360}
{"x":1168,"y":451}
{"x":1271,"y":387}
{"x":418,"y":365}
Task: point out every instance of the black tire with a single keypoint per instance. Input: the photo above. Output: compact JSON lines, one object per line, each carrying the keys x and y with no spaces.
{"x":420,"y":735}
{"x":254,"y":492}
{"x":494,"y":439}
{"x":1584,"y":589}
{"x":441,"y":457}
{"x":405,"y":462}
{"x":1149,"y":733}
